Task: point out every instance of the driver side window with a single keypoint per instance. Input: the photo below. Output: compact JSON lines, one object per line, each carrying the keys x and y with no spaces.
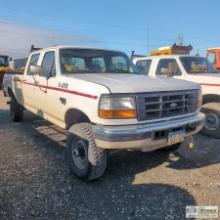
{"x":168,"y":67}
{"x":48,"y":64}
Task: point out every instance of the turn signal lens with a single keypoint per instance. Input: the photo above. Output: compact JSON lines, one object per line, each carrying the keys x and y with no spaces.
{"x":117,"y":107}
{"x":117,"y":114}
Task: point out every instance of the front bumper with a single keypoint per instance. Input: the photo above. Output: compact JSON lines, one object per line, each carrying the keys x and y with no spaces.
{"x":147,"y":137}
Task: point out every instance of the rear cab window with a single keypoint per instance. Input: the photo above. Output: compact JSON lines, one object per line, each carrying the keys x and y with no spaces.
{"x":168,"y":67}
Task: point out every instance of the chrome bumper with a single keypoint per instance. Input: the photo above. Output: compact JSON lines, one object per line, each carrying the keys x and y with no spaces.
{"x":147,"y":137}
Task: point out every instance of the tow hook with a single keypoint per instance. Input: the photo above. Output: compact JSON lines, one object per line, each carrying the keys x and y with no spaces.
{"x":190,"y":142}
{"x":191,"y":145}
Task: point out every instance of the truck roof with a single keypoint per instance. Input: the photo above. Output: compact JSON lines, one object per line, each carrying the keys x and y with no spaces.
{"x":71,"y":46}
{"x":164,"y":56}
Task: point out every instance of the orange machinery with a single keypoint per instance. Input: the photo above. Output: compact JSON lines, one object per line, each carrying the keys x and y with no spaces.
{"x":213,"y":55}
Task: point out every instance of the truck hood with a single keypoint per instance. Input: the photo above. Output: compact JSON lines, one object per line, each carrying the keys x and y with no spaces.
{"x":134,"y":83}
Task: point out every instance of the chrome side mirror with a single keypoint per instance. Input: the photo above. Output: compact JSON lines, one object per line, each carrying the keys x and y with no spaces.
{"x":36,"y":70}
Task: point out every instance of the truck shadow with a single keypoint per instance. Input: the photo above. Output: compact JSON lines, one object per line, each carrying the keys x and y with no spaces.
{"x":205,"y":152}
{"x":4,"y":118}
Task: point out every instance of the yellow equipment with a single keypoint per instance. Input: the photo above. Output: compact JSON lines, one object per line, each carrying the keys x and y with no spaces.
{"x":174,"y":49}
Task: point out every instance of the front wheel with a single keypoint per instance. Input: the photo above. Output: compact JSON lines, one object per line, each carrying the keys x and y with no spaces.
{"x":16,"y":110}
{"x":212,"y":123}
{"x":87,"y":161}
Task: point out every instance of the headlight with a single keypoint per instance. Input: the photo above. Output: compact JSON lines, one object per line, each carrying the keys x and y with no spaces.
{"x":117,"y":107}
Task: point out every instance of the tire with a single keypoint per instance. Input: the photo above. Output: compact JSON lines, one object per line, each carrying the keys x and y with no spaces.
{"x":16,"y":110}
{"x":212,"y":123}
{"x":172,"y":148}
{"x":87,"y":161}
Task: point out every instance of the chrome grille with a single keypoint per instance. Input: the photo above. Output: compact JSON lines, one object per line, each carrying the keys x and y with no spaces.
{"x":166,"y":104}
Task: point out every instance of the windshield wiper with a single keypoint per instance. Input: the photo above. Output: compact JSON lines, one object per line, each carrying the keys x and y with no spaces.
{"x":119,"y":71}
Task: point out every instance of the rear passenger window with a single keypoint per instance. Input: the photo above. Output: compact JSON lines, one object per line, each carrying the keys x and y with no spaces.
{"x":33,"y":61}
{"x":168,"y":67}
{"x":48,"y":64}
{"x":144,"y":66}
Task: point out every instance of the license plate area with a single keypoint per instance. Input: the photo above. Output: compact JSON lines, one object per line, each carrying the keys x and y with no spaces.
{"x":175,"y":137}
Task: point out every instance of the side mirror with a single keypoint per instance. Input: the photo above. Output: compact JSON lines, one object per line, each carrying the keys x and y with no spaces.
{"x":35,"y":70}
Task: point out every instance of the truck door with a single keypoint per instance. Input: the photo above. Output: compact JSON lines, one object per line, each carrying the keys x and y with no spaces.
{"x":46,"y":91}
{"x":168,"y":67}
{"x":30,"y":84}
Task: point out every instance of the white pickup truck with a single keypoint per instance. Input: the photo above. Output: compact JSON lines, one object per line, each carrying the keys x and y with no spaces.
{"x":193,"y":68}
{"x":104,"y":103}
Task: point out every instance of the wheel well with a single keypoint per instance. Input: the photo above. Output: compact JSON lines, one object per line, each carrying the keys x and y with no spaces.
{"x":211,"y":98}
{"x":74,"y":116}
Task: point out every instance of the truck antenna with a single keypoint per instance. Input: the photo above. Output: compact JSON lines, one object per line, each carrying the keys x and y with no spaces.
{"x":179,"y":40}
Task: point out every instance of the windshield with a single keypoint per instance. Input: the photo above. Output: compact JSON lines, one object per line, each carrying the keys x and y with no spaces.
{"x":3,"y":60}
{"x":95,"y":61}
{"x":195,"y":65}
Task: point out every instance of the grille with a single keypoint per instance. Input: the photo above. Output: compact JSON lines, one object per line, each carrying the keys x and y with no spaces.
{"x":166,"y":104}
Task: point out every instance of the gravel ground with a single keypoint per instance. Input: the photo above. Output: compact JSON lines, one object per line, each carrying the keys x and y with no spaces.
{"x":36,"y":183}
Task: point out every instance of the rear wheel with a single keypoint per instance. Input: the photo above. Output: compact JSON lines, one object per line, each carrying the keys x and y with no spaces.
{"x":16,"y":110}
{"x":212,"y":123}
{"x":87,"y":161}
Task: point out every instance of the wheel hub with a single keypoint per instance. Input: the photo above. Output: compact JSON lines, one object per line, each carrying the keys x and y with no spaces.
{"x":79,"y":154}
{"x":212,"y":121}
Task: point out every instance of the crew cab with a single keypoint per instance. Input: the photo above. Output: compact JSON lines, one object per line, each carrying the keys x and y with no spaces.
{"x":105,"y":103}
{"x":192,"y":68}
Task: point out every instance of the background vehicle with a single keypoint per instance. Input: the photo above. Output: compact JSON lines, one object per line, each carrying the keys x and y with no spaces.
{"x":192,"y":68}
{"x":213,"y":55}
{"x":105,"y":103}
{"x":4,"y":64}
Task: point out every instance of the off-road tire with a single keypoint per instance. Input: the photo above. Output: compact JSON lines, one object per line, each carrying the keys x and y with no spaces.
{"x":212,"y":123}
{"x":95,"y":161}
{"x":16,"y":110}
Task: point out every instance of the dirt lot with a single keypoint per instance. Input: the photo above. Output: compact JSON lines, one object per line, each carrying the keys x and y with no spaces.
{"x":36,"y":183}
